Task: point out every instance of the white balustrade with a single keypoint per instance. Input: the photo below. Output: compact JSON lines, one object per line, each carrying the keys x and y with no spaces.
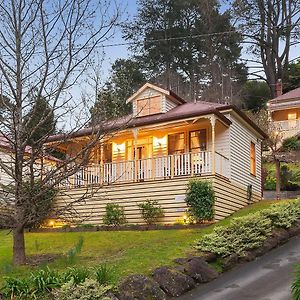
{"x":163,"y":167}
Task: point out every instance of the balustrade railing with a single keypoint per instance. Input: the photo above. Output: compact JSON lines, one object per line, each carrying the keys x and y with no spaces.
{"x":163,"y":167}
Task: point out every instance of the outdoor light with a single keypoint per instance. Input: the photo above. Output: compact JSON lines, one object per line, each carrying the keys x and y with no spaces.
{"x":51,"y":223}
{"x":184,"y":219}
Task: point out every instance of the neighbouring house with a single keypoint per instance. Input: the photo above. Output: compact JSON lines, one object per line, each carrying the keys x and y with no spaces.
{"x":285,"y":112}
{"x":6,"y":157}
{"x":162,"y":145}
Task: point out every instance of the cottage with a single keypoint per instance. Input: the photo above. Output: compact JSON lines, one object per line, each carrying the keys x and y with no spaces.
{"x":162,"y":145}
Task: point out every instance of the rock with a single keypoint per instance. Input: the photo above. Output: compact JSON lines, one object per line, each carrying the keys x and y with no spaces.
{"x":281,"y":235}
{"x":249,"y":256}
{"x":110,"y":296}
{"x":140,"y":287}
{"x":173,"y":282}
{"x":294,"y":230}
{"x":209,"y":257}
{"x":181,"y":261}
{"x":268,"y":245}
{"x":199,"y":269}
{"x":230,"y":261}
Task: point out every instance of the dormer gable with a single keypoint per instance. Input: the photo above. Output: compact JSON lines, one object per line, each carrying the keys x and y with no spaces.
{"x":151,"y":99}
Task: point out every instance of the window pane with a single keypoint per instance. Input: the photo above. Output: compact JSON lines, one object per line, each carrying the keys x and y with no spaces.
{"x":198,"y":140}
{"x":176,"y":143}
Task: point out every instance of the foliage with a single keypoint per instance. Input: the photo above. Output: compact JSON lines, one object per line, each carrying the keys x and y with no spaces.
{"x":203,"y":61}
{"x":114,"y":215}
{"x":76,"y":275}
{"x":241,"y":235}
{"x":292,"y":143}
{"x":200,"y":199}
{"x":151,"y":211}
{"x":293,"y":79}
{"x":296,"y":284}
{"x":283,"y":215}
{"x":255,"y":95}
{"x":270,"y":183}
{"x":14,"y":287}
{"x":125,"y":79}
{"x":88,"y":290}
{"x":249,"y":232}
{"x":104,"y":274}
{"x":39,"y":122}
{"x":73,"y":252}
{"x":45,"y":280}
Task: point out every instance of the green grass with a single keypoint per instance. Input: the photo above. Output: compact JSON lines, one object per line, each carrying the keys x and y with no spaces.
{"x":126,"y":252}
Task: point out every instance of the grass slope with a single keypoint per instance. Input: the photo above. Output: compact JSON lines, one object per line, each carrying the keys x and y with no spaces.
{"x":126,"y":252}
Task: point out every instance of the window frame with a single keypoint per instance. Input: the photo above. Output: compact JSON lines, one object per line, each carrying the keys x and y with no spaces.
{"x":253,"y":158}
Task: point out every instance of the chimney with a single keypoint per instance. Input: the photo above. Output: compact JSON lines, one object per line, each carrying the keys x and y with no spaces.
{"x":278,"y":88}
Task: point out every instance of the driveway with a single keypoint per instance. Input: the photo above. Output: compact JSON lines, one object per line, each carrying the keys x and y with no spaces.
{"x":267,"y":278}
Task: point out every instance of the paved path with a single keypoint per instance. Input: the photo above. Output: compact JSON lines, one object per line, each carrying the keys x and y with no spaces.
{"x":267,"y":278}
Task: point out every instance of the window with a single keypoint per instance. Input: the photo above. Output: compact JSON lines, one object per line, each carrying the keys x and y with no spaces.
{"x":107,"y":153}
{"x":198,"y":140}
{"x":292,"y":116}
{"x":252,"y":159}
{"x":176,"y":143}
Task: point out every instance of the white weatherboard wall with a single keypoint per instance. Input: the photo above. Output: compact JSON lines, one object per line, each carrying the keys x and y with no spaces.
{"x":170,"y":194}
{"x":240,"y":140}
{"x":4,"y":178}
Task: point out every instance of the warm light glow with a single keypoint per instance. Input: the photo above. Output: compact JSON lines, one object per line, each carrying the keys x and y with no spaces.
{"x":276,"y":132}
{"x":184,"y":218}
{"x":118,"y":147}
{"x":51,"y":223}
{"x":159,"y":142}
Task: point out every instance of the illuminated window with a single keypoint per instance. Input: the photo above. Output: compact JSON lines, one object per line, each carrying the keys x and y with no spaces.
{"x":107,"y":153}
{"x":252,"y":159}
{"x":176,"y":143}
{"x":198,"y":140}
{"x":292,"y":116}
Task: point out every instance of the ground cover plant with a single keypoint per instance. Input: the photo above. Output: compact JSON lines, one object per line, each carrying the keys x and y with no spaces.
{"x":296,"y":284}
{"x":249,"y":232}
{"x":126,"y":252}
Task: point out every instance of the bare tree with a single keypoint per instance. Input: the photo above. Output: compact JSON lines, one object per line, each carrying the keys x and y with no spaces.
{"x":270,"y":28}
{"x":45,"y":48}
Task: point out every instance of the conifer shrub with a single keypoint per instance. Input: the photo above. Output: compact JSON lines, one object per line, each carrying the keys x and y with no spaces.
{"x":200,"y":199}
{"x":151,"y":211}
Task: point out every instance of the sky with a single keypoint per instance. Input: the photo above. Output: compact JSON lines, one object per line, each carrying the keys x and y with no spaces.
{"x":130,"y":9}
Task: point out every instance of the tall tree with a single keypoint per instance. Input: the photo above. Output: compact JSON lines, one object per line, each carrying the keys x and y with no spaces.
{"x":186,"y":37}
{"x":126,"y":77}
{"x":293,"y":79}
{"x":45,"y":47}
{"x":270,"y":28}
{"x":255,"y":94}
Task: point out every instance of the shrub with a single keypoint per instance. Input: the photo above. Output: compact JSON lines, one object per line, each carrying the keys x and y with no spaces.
{"x":114,"y":215}
{"x":200,"y":198}
{"x":291,"y":143}
{"x":283,"y":215}
{"x":151,"y":211}
{"x":104,"y":274}
{"x":239,"y":236}
{"x":249,"y":232}
{"x":270,"y":183}
{"x":88,"y":290}
{"x":296,"y":284}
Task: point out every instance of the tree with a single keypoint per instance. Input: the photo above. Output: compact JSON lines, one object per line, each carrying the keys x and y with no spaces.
{"x":45,"y":47}
{"x":186,"y":37}
{"x":293,"y":79}
{"x":255,"y":94}
{"x":272,"y":143}
{"x":126,"y":77}
{"x":270,"y":28}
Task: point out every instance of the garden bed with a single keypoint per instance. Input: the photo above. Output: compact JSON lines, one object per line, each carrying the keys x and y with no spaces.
{"x":120,"y":228}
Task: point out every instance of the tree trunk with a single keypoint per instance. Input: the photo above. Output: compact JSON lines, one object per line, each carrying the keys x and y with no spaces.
{"x":277,"y":172}
{"x":19,"y":257}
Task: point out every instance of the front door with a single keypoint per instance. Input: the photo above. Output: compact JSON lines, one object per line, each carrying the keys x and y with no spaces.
{"x":141,"y":163}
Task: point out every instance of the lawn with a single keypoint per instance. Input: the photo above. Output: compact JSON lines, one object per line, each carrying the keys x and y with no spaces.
{"x":126,"y":252}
